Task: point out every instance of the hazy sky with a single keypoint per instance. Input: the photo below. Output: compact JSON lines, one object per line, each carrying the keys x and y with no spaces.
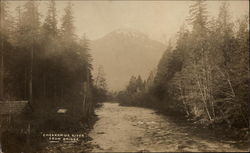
{"x":159,"y":19}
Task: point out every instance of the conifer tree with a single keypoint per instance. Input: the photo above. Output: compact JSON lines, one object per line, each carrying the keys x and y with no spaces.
{"x":67,"y":29}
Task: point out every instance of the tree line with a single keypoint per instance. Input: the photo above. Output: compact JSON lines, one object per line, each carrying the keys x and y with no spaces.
{"x":44,"y":64}
{"x":204,"y":76}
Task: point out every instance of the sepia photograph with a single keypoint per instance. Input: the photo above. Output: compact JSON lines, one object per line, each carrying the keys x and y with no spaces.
{"x":82,"y":76}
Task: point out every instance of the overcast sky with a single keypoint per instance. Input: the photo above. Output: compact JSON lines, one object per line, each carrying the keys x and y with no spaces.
{"x":159,"y":19}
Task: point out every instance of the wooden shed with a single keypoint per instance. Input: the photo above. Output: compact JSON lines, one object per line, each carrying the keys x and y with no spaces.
{"x":12,"y":107}
{"x":12,"y":119}
{"x":10,"y":110}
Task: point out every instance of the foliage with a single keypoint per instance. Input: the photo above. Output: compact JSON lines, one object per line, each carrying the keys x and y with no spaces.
{"x":206,"y":76}
{"x":48,"y":66}
{"x":100,"y":86}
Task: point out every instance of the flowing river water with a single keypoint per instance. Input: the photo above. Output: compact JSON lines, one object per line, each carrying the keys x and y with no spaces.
{"x":133,"y":129}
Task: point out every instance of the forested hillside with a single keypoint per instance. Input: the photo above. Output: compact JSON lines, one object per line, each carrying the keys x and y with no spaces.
{"x":205,"y":77}
{"x":46,"y":65}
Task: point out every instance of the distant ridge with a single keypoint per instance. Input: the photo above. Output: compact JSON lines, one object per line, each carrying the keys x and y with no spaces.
{"x":125,"y":52}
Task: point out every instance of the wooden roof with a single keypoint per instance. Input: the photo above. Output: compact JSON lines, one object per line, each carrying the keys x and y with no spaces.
{"x":62,"y":111}
{"x":12,"y":107}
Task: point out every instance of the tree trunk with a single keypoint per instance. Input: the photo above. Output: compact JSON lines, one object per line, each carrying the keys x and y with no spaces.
{"x":183,"y":100}
{"x":2,"y":70}
{"x":204,"y":100}
{"x":61,"y":94}
{"x":44,"y":86}
{"x":2,"y":57}
{"x":25,"y":82}
{"x":55,"y":94}
{"x":31,"y":75}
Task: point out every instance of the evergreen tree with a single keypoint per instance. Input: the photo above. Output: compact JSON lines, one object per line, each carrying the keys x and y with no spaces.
{"x":31,"y":22}
{"x":100,"y":85}
{"x":131,"y":88}
{"x":198,"y":16}
{"x":225,"y":31}
{"x":100,"y":81}
{"x":140,"y":84}
{"x":67,"y":29}
{"x":50,"y":23}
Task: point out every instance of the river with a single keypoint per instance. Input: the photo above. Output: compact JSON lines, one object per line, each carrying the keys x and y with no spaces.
{"x":133,"y":129}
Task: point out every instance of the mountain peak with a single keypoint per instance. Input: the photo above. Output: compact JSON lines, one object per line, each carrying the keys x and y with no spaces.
{"x":123,"y":53}
{"x":127,"y":32}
